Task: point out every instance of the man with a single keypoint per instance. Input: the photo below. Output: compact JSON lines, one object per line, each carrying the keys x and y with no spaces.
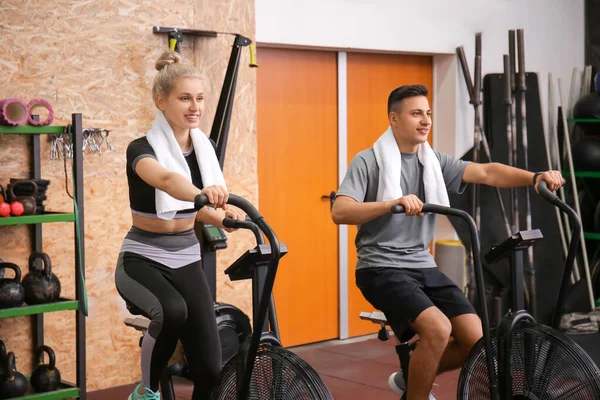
{"x":395,"y":271}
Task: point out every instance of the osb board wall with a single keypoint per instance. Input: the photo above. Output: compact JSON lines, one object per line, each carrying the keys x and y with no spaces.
{"x":96,"y":57}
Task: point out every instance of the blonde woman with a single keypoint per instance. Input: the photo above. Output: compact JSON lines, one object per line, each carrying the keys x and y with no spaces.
{"x":159,"y":270}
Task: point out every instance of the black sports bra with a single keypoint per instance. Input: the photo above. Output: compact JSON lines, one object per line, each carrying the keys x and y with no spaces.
{"x":142,"y":195}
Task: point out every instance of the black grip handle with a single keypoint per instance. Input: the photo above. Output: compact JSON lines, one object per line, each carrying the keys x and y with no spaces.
{"x":238,"y":224}
{"x":397,"y":209}
{"x":460,"y":51}
{"x":511,"y":52}
{"x":478,"y":44}
{"x":201,"y":200}
{"x":521,"y":54}
{"x":546,"y":193}
{"x":249,"y":225}
{"x":427,"y":208}
{"x":233,"y":223}
{"x":507,"y":80}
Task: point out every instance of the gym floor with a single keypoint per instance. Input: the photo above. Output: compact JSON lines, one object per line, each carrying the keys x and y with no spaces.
{"x":352,"y":369}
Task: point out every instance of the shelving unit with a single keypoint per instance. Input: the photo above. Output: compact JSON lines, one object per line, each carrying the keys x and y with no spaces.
{"x":79,"y":304}
{"x":584,"y":174}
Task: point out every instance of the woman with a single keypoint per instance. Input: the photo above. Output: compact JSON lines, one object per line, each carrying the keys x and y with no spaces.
{"x":159,"y":269}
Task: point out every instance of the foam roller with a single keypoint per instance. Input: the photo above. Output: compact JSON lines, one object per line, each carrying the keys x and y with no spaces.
{"x":450,"y":257}
{"x":40,"y":103}
{"x":13,"y":112}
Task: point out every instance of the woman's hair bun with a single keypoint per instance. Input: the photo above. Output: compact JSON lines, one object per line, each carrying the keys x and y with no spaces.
{"x":167,"y":58}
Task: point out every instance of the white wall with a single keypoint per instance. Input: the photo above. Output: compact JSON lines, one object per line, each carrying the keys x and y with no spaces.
{"x":554,"y":34}
{"x":554,"y":43}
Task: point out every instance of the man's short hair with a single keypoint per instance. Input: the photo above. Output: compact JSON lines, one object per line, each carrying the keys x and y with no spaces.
{"x":404,"y":92}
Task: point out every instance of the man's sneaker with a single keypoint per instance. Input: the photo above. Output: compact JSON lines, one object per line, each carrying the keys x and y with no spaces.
{"x":147,"y":394}
{"x":398,"y":386}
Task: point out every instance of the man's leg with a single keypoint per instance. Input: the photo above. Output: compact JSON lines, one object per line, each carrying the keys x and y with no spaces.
{"x":434,"y":330}
{"x":466,"y":325}
{"x":397,"y":292}
{"x":466,"y":331}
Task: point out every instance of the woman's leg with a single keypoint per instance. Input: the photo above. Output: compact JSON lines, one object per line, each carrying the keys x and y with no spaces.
{"x":147,"y":285}
{"x":200,"y":337}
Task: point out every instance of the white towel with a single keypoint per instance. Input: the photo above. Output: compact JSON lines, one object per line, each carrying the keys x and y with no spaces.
{"x":388,"y":157}
{"x":170,"y":156}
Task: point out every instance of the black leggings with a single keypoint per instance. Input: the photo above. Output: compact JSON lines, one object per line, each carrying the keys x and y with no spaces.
{"x":178,"y":303}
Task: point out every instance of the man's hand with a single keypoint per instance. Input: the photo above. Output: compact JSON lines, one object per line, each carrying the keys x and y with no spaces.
{"x":412,"y":205}
{"x":554,"y":180}
{"x":217,"y":196}
{"x":234,"y":213}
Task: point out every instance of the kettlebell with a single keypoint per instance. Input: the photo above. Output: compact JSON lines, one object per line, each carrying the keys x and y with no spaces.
{"x":12,"y":293}
{"x":27,"y":201}
{"x":41,"y":285}
{"x":45,"y":377}
{"x":14,"y":383}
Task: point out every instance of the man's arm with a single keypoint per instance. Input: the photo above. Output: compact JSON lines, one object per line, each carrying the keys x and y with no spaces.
{"x":497,"y":175}
{"x":348,"y":211}
{"x":504,"y":176}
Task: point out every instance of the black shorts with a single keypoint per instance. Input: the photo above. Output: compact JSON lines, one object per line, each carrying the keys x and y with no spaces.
{"x":404,"y":293}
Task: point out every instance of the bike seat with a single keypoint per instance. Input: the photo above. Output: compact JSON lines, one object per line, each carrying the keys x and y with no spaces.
{"x":403,"y":332}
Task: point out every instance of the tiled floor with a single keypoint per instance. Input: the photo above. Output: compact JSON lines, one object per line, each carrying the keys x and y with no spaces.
{"x":360,"y":368}
{"x":352,"y":369}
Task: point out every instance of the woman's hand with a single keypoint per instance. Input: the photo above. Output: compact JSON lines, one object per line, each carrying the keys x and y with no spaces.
{"x":217,"y":196}
{"x":234,"y":213}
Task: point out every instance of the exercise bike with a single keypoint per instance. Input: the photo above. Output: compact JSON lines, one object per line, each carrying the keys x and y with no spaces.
{"x":521,"y":359}
{"x":263,"y":369}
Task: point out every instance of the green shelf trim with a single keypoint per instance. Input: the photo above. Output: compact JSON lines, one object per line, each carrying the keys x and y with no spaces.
{"x":37,"y":219}
{"x":589,"y":120}
{"x":65,"y":393}
{"x":61,"y":305}
{"x":583,"y":174}
{"x":591,"y":235}
{"x":31,"y":130}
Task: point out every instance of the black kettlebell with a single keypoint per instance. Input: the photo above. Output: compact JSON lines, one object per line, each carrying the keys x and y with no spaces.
{"x":14,"y":383}
{"x":45,"y":377}
{"x":41,"y":285}
{"x":12,"y":293}
{"x":28,"y":202}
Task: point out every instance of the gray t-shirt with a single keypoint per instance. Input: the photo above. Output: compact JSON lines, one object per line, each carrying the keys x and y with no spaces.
{"x":396,"y":240}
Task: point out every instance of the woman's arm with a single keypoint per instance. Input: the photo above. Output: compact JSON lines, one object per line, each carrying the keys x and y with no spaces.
{"x":176,"y":185}
{"x":211,"y":216}
{"x":215,"y":217}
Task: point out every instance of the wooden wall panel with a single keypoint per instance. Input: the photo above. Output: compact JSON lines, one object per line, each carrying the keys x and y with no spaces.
{"x":97,"y":58}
